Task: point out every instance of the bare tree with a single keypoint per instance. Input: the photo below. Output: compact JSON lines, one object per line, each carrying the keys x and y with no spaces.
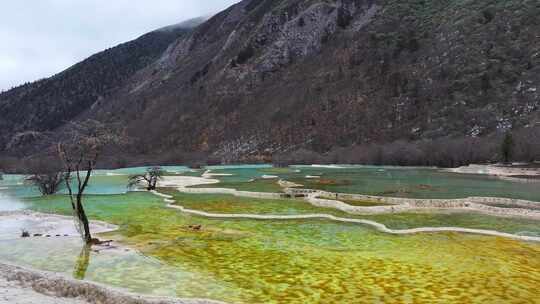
{"x":150,"y":178}
{"x":79,"y":151}
{"x":47,"y":175}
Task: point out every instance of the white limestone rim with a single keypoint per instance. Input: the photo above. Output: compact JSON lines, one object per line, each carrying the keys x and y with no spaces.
{"x":45,"y":224}
{"x":397,"y":204}
{"x":185,"y":181}
{"x":475,"y":204}
{"x":184,"y":184}
{"x":209,"y":174}
{"x":514,"y":174}
{"x":58,"y":285}
{"x":166,"y":196}
{"x":378,"y":226}
{"x":234,"y":192}
{"x":495,"y":170}
{"x":287,"y":184}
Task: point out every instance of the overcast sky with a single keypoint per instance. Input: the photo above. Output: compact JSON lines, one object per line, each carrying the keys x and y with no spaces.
{"x":39,"y":38}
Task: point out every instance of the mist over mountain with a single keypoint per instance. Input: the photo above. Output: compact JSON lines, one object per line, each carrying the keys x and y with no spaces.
{"x":267,"y":77}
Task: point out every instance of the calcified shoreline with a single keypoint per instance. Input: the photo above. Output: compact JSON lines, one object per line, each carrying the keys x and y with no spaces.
{"x":380,"y":227}
{"x":483,"y":205}
{"x":25,"y":285}
{"x":47,"y":287}
{"x":499,"y":171}
{"x":43,"y":225}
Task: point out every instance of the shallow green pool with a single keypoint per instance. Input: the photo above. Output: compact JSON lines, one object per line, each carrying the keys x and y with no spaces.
{"x":297,"y":261}
{"x":256,"y":185}
{"x":227,"y":204}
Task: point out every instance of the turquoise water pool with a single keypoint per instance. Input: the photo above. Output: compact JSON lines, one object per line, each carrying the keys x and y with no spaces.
{"x":292,"y":261}
{"x":102,"y":181}
{"x":383,"y":181}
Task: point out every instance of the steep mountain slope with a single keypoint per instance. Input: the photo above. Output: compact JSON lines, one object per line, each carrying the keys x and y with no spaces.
{"x":44,"y":105}
{"x":267,"y":76}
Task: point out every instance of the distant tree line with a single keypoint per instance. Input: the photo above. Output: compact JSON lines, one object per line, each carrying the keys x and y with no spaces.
{"x":522,"y":146}
{"x":515,"y":146}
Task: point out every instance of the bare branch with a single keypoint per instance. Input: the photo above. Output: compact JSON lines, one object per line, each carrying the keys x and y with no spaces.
{"x":82,"y":144}
{"x":46,"y":174}
{"x":150,"y":177}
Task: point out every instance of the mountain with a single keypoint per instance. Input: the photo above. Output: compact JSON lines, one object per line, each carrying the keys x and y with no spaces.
{"x":271,"y":76}
{"x":28,"y":110}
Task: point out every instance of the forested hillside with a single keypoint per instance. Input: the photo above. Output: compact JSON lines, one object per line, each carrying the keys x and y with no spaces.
{"x":267,"y":77}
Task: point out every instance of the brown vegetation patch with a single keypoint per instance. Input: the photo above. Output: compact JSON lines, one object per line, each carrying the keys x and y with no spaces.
{"x":357,"y":202}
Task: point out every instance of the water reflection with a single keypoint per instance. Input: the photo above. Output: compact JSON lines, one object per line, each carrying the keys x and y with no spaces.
{"x":119,"y":267}
{"x":81,"y":265}
{"x":8,"y":203}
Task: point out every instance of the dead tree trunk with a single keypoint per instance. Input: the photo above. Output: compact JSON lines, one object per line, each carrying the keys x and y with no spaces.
{"x":77,"y":202}
{"x":81,"y":214}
